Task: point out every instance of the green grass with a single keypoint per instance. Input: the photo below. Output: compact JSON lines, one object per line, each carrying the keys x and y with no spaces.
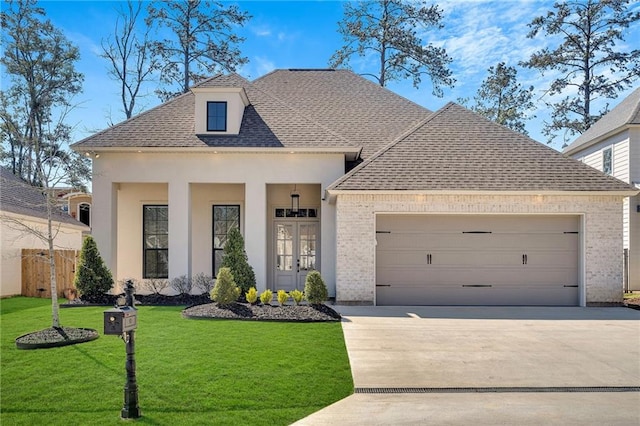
{"x":191,"y":372}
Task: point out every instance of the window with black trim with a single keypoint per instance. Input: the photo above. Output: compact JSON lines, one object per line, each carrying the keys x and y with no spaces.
{"x":225,"y":218}
{"x":155,"y":230}
{"x":216,"y":116}
{"x":607,"y":161}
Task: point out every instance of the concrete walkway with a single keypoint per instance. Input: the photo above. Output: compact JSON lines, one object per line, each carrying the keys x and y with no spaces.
{"x":489,"y":365}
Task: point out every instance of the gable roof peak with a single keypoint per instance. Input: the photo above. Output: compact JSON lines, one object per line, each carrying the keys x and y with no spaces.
{"x":626,"y":113}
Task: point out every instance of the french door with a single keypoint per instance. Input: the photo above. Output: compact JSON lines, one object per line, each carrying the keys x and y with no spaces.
{"x":296,"y":253}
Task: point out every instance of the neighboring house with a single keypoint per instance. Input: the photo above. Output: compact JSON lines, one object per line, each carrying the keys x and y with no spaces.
{"x":77,"y":204}
{"x":612,"y":145}
{"x":23,"y":214}
{"x":392,"y":203}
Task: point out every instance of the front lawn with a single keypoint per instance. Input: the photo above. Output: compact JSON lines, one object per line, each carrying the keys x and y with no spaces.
{"x":188,"y":371}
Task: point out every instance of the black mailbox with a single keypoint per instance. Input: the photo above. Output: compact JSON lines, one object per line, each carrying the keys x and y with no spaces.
{"x":120,"y":320}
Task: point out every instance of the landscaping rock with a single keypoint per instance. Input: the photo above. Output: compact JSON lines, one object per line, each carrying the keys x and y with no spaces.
{"x":242,"y":311}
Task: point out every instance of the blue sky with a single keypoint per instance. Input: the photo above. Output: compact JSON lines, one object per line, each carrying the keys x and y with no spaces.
{"x":303,"y":34}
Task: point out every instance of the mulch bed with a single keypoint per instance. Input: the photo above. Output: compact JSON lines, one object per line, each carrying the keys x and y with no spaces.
{"x":245,"y":311}
{"x":54,"y":337}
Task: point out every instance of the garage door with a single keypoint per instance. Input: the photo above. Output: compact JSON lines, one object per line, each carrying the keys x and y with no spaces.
{"x":477,"y":260}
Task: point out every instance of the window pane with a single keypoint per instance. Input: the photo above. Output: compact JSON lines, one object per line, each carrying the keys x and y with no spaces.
{"x":216,"y":116}
{"x":225,"y":218}
{"x":156,"y":241}
{"x":606,"y":161}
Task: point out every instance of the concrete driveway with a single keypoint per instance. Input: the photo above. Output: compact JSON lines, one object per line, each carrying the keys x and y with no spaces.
{"x":489,"y":365}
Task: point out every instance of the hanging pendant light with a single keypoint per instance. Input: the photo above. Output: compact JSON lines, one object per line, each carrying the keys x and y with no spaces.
{"x":295,"y":201}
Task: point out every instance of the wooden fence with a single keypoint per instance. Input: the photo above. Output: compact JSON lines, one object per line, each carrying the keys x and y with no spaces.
{"x":36,"y":281}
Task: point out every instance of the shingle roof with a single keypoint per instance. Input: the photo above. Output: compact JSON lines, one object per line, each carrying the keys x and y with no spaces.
{"x":625,"y":113}
{"x":361,"y":111}
{"x":267,"y":122}
{"x":292,"y":109}
{"x":17,"y":196}
{"x":458,"y":150}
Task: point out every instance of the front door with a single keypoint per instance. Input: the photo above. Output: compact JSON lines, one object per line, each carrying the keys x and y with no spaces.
{"x":296,"y":253}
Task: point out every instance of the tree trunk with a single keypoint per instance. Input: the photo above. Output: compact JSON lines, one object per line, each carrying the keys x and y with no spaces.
{"x":55,"y":316}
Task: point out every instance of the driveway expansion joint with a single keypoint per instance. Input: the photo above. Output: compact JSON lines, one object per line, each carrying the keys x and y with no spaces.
{"x":501,"y":389}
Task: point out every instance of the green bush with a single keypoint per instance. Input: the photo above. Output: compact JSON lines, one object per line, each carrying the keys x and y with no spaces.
{"x":235,"y":258}
{"x":252,"y":295}
{"x":283,"y":296}
{"x":266,"y":297}
{"x":314,"y":288}
{"x":297,"y":296}
{"x":93,"y":279}
{"x":225,"y":291}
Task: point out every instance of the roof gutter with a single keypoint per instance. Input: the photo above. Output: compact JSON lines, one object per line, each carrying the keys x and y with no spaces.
{"x":332,"y":194}
{"x":352,"y":152}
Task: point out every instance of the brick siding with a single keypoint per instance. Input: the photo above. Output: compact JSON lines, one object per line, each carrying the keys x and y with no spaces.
{"x":601,"y":255}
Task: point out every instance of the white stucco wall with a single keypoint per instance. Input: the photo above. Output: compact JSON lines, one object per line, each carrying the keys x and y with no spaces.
{"x":601,"y":260}
{"x":15,"y":238}
{"x":189,"y":184}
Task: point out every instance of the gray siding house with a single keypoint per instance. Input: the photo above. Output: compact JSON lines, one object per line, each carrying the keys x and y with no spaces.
{"x":612,"y":145}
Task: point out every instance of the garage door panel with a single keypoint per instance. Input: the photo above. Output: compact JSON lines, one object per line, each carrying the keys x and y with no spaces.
{"x":498,"y":241}
{"x":489,"y":296}
{"x":438,"y":259}
{"x":425,"y":276}
{"x":480,"y":258}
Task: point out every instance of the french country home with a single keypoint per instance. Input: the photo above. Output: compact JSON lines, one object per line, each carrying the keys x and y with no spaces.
{"x":324,"y":170}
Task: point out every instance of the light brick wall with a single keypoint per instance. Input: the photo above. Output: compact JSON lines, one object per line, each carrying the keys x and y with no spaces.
{"x":601,"y":254}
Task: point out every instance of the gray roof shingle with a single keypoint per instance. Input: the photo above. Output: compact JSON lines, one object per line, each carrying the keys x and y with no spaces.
{"x":458,"y":150}
{"x":17,"y":196}
{"x":361,"y":111}
{"x":625,"y":113}
{"x":267,"y":122}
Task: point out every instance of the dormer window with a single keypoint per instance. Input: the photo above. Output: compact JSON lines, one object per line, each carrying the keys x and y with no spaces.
{"x":216,"y":116}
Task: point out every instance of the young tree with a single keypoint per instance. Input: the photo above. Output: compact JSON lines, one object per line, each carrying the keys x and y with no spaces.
{"x":131,"y":62}
{"x":502,"y":99}
{"x":235,"y":258}
{"x":388,"y":31}
{"x":93,"y":279}
{"x":202,"y":41}
{"x":590,"y":62}
{"x":40,"y":64}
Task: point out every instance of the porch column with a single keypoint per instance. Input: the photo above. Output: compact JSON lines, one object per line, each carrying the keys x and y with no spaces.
{"x":255,"y":230}
{"x":179,"y":229}
{"x":105,"y":214}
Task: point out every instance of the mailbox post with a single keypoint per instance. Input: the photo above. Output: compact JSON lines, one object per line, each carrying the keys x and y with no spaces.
{"x":123,"y":321}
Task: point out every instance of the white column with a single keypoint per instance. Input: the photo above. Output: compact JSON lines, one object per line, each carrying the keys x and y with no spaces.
{"x":255,"y":229}
{"x":105,"y":222}
{"x":179,"y":229}
{"x":328,"y":245}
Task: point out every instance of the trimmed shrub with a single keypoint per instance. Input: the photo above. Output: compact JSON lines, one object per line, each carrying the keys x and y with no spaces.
{"x":252,"y":295}
{"x":225,"y":291}
{"x":283,"y":296}
{"x":153,"y":285}
{"x":235,"y":258}
{"x":203,"y":282}
{"x":93,"y":279}
{"x":266,"y":297}
{"x":297,"y":296}
{"x":315,"y":289}
{"x":182,"y":284}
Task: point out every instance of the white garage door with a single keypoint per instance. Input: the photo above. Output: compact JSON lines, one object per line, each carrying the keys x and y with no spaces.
{"x":477,"y":260}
